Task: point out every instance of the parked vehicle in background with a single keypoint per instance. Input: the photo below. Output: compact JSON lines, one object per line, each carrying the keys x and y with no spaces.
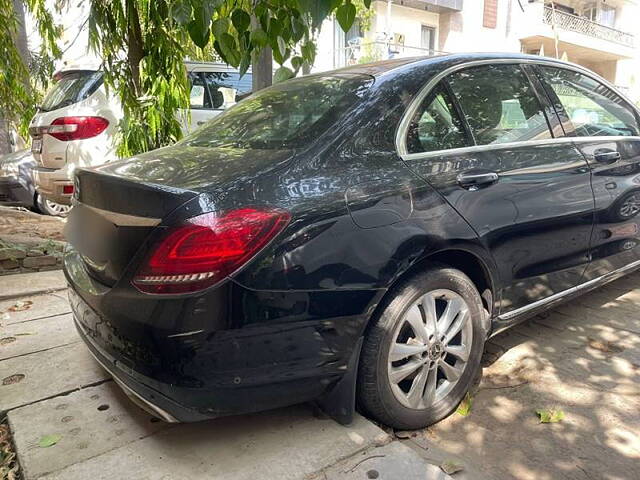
{"x":77,"y":122}
{"x":17,"y":185}
{"x":362,"y":231}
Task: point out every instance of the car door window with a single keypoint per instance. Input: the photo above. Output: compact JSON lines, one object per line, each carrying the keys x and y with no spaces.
{"x":592,"y":108}
{"x":215,"y":80}
{"x":499,"y":104}
{"x":199,"y":97}
{"x":436,"y":125}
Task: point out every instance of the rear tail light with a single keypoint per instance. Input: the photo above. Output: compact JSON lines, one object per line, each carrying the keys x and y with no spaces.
{"x":67,"y":189}
{"x":75,"y":128}
{"x":206,"y":249}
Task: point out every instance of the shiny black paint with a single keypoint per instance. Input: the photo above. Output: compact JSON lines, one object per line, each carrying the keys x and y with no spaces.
{"x":535,"y":220}
{"x":615,"y":239}
{"x":283,"y":329}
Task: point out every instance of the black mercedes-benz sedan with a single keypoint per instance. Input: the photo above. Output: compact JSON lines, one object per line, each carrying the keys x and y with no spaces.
{"x":354,"y":237}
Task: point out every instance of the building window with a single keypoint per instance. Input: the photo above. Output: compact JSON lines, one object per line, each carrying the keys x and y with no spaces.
{"x":428,"y":38}
{"x":607,"y":15}
{"x":600,"y":13}
{"x":490,"y":16}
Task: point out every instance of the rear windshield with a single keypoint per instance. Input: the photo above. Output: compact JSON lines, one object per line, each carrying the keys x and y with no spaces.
{"x":287,"y":115}
{"x":71,"y":88}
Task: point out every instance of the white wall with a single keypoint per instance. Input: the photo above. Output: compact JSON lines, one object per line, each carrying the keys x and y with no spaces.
{"x":467,"y":34}
{"x":404,"y":20}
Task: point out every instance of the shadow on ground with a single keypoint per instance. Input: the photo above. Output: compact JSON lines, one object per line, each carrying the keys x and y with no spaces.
{"x":582,"y":357}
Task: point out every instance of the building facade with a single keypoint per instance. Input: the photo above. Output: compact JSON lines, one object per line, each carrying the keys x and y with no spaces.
{"x":601,"y":35}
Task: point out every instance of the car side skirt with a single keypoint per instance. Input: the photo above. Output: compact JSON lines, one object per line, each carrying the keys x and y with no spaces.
{"x":516,"y":316}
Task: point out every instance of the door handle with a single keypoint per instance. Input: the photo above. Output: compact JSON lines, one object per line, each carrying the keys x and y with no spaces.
{"x":474,"y":179}
{"x":201,"y":122}
{"x":606,"y":156}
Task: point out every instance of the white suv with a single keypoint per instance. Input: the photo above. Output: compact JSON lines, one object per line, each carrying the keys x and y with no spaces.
{"x":76,"y":124}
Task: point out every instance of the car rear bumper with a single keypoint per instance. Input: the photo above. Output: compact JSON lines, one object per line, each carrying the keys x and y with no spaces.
{"x":146,"y":398}
{"x":50,"y":183}
{"x":196,"y":358}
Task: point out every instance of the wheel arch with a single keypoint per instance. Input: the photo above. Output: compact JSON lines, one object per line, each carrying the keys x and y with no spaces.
{"x":463,"y":258}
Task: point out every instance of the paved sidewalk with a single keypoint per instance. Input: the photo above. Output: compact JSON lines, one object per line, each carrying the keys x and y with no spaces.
{"x":583,"y":358}
{"x":52,"y":386}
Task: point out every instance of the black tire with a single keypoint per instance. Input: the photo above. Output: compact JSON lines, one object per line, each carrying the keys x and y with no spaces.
{"x":375,"y":395}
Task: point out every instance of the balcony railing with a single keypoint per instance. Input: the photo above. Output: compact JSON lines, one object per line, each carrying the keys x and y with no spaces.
{"x":568,"y":21}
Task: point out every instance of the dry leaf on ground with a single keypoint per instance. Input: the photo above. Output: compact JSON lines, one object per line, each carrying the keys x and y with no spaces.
{"x":450,"y":467}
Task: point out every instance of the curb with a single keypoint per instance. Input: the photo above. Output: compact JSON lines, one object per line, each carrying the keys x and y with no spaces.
{"x":31,"y":293}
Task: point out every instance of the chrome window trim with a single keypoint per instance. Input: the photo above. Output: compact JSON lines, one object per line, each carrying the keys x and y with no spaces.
{"x":121,"y":219}
{"x":556,"y":296}
{"x":403,"y":126}
{"x":524,"y":143}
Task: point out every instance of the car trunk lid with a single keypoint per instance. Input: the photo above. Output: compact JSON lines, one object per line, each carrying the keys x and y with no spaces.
{"x":118,"y":204}
{"x":112,"y":217}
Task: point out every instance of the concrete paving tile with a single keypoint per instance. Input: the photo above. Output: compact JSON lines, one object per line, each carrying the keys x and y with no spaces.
{"x":48,"y":373}
{"x":90,"y":422}
{"x":41,"y":306}
{"x":25,"y":284}
{"x":597,"y":433}
{"x":394,"y":461}
{"x":36,"y":335}
{"x":284,"y":444}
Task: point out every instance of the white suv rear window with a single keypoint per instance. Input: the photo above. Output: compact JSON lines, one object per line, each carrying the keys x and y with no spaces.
{"x":72,"y":88}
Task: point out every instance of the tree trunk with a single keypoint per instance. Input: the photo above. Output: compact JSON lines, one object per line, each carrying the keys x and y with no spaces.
{"x":6,"y":140}
{"x":21,"y":39}
{"x":261,"y":65}
{"x":262,"y":69}
{"x":135,"y":46}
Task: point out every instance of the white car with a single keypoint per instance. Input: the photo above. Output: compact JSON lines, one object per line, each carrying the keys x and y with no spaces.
{"x":76,"y":124}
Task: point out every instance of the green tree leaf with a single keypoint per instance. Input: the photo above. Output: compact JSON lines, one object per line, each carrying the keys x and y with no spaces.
{"x":296,"y":63}
{"x":298,"y":29}
{"x":275,"y":28}
{"x":318,"y":11}
{"x":181,"y":12}
{"x":464,"y":408}
{"x":550,"y":415}
{"x":345,"y":15}
{"x":228,"y":49}
{"x":48,"y":440}
{"x":282,"y":74}
{"x":282,"y":46}
{"x":220,"y":26}
{"x":308,"y":51}
{"x":199,"y":33}
{"x":259,"y":38}
{"x":241,"y":20}
{"x":245,"y":63}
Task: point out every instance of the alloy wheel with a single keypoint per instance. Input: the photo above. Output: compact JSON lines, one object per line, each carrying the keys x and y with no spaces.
{"x":57,"y":209}
{"x":631,"y":206}
{"x":430,"y":349}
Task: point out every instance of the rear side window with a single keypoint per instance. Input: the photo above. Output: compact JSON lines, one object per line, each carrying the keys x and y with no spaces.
{"x":71,"y":88}
{"x":215,"y":80}
{"x":499,"y":104}
{"x":198,"y":96}
{"x":592,"y":108}
{"x":436,"y":125}
{"x":287,"y":115}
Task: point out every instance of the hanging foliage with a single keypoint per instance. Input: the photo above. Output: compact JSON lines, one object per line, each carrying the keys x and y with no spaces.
{"x":24,"y":80}
{"x":143,"y":44}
